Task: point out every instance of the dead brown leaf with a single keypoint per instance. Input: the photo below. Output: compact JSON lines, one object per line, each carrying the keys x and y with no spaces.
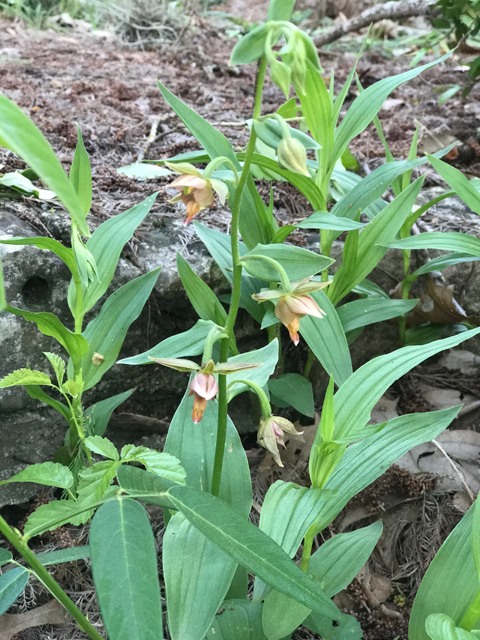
{"x":12,"y":624}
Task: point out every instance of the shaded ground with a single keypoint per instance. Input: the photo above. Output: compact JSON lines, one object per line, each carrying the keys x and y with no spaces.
{"x":111,"y":92}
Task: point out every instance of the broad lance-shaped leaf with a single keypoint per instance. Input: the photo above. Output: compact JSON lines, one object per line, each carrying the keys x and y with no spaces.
{"x":193,"y":602}
{"x":18,"y":133}
{"x":326,"y":338}
{"x":250,"y":547}
{"x":294,"y":390}
{"x":197,"y":572}
{"x":267,"y":357}
{"x":383,"y":228}
{"x":446,"y":241}
{"x":23,"y":377}
{"x":124,"y":568}
{"x":51,"y":474}
{"x":360,"y":313}
{"x":298,"y":263}
{"x":333,"y":566}
{"x":99,"y":413}
{"x":105,"y":333}
{"x":237,"y":620}
{"x":106,"y":245}
{"x":46,"y":244}
{"x":188,"y":343}
{"x":289,"y":510}
{"x":450,"y":583}
{"x":356,"y":398}
{"x":368,"y":104}
{"x":12,"y":584}
{"x":459,"y":183}
{"x":81,"y":174}
{"x":75,"y":344}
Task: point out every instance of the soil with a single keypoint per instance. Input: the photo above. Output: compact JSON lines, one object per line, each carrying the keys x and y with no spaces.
{"x":111,"y":92}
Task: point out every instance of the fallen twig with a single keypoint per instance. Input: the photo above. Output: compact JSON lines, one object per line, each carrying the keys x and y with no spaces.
{"x":392,"y":10}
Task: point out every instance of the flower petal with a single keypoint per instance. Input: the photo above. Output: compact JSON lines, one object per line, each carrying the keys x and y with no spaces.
{"x":307,"y":285}
{"x":285,"y":425}
{"x":267,"y":294}
{"x":221,"y":188}
{"x":176,"y":363}
{"x":189,"y":182}
{"x":304,"y":305}
{"x":283,"y":311}
{"x":204,"y":385}
{"x":192,"y":210}
{"x":204,"y":196}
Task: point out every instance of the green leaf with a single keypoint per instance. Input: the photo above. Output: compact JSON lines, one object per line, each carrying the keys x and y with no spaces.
{"x":58,"y":365}
{"x":237,"y":620}
{"x":441,"y":627}
{"x":298,"y":263}
{"x":64,"y":555}
{"x":444,"y":240}
{"x":157,"y":462}
{"x":81,"y":174}
{"x":22,"y":377}
{"x":99,"y":413}
{"x":145,"y":486}
{"x":437,"y":264}
{"x":219,"y":247}
{"x":75,"y":344}
{"x":124,"y":568}
{"x":279,"y":10}
{"x":250,"y":47}
{"x":360,"y":313}
{"x":20,"y":135}
{"x":267,"y":355}
{"x":5,"y":556}
{"x":198,"y":573}
{"x":250,"y":547}
{"x":193,"y":602}
{"x":102,"y":446}
{"x":252,"y":227}
{"x":12,"y":584}
{"x":106,"y":245}
{"x":94,"y":482}
{"x":348,"y":628}
{"x":458,"y":182}
{"x":289,"y":510}
{"x":450,"y":583}
{"x":368,"y":104}
{"x":325,"y":220}
{"x":37,"y":393}
{"x":294,"y":390}
{"x":188,"y":343}
{"x":46,"y":244}
{"x":17,"y":182}
{"x":50,"y":474}
{"x":333,"y":566}
{"x":326,"y":338}
{"x":383,"y":228}
{"x":202,"y":298}
{"x":355,"y":399}
{"x":106,"y":332}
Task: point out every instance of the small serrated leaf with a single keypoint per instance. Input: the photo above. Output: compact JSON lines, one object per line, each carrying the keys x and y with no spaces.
{"x":73,"y":387}
{"x":102,"y":446}
{"x":161,"y":464}
{"x":95,"y":480}
{"x":58,"y":365}
{"x":51,"y":474}
{"x":22,"y":377}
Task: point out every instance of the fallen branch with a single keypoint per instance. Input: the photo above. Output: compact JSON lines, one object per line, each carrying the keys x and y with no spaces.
{"x":393,"y":10}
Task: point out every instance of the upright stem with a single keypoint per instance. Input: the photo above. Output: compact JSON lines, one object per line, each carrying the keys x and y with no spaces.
{"x":236,"y":286}
{"x":46,"y":579}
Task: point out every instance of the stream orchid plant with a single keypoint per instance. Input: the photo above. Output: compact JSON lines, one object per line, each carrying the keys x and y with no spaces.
{"x":226,"y":578}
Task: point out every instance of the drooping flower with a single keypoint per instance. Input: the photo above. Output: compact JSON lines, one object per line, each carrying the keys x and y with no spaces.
{"x":196,"y":191}
{"x":292,"y":155}
{"x":271,"y":432}
{"x":204,"y":386}
{"x":293,"y":305}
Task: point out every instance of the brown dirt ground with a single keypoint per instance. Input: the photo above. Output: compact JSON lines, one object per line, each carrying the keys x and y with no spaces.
{"x":63,"y":78}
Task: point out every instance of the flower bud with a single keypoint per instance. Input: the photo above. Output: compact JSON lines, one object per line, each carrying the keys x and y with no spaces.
{"x":292,"y":155}
{"x":280,"y":74}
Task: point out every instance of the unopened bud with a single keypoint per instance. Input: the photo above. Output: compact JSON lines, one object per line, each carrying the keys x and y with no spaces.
{"x":280,"y":74}
{"x":292,"y":155}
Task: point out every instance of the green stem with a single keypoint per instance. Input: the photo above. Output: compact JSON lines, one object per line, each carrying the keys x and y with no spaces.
{"x":309,"y":364}
{"x":236,"y":286}
{"x":472,"y":614}
{"x":46,"y":579}
{"x":307,"y":548}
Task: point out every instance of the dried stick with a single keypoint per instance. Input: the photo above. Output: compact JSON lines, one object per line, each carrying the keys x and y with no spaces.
{"x":392,"y":10}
